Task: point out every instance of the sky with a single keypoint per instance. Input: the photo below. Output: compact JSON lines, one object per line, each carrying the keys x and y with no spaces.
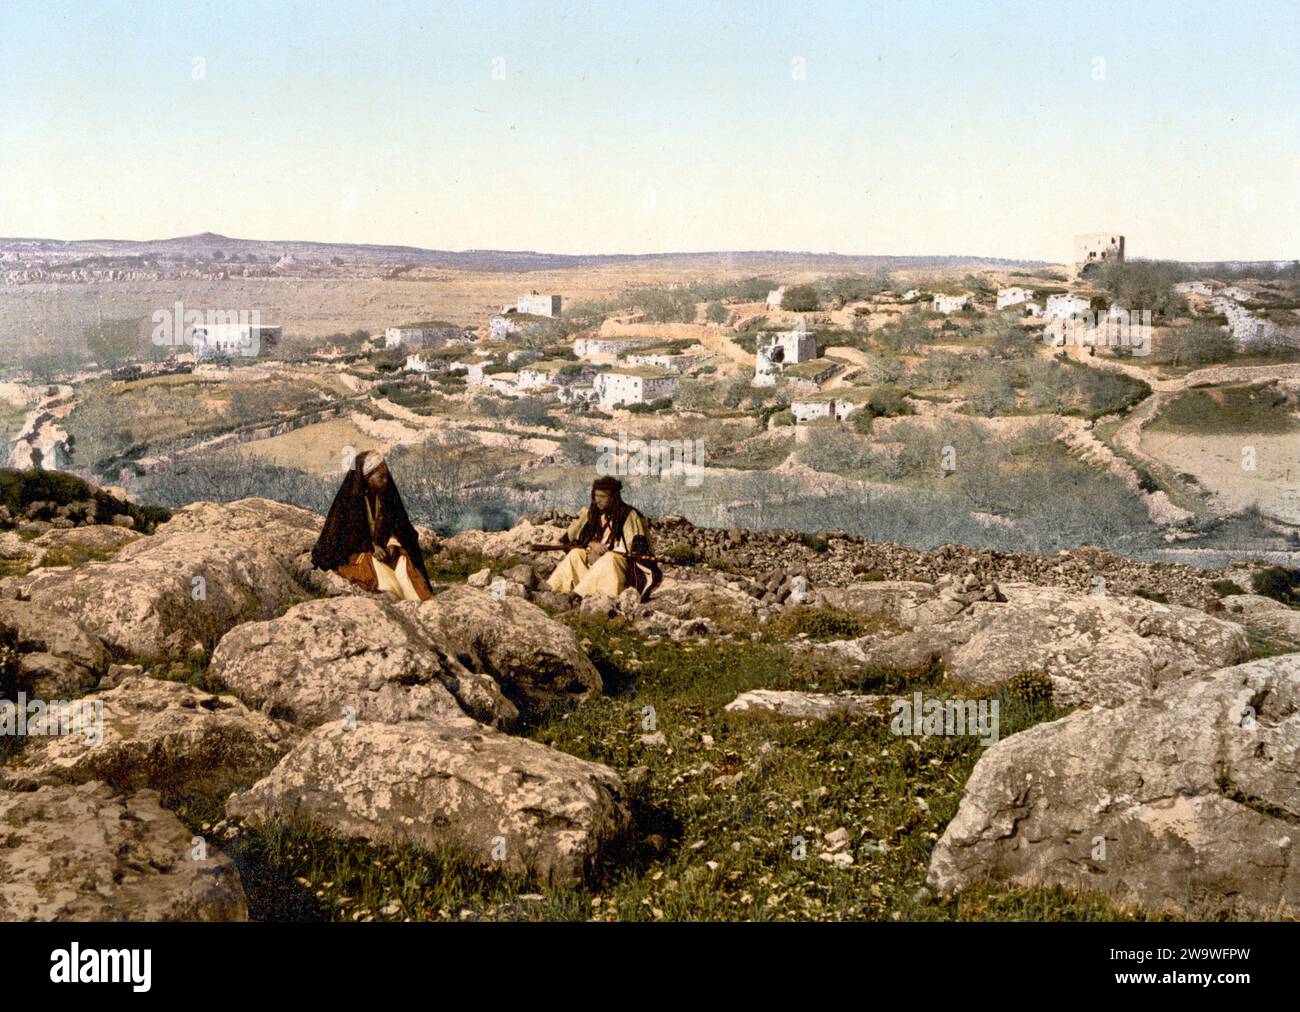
{"x":894,"y":128}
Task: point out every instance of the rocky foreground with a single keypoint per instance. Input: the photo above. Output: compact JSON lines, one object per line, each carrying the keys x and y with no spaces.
{"x":219,"y":664}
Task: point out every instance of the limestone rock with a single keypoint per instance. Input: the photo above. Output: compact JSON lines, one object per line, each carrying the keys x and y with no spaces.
{"x":517,"y":541}
{"x":365,"y":653}
{"x":167,"y":736}
{"x":158,"y":596}
{"x":92,"y":538}
{"x":1100,"y":649}
{"x":451,"y":782}
{"x":1265,"y":611}
{"x":57,"y":658}
{"x":81,"y":854}
{"x":535,"y":659}
{"x":1193,"y":790}
{"x":283,"y":530}
{"x":808,"y":705}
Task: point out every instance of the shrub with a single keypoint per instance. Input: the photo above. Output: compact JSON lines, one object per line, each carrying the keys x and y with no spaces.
{"x":800,"y":299}
{"x":816,"y":624}
{"x":680,"y":554}
{"x":1033,"y":687}
{"x":1279,"y":583}
{"x":1225,"y":588}
{"x":815,"y":542}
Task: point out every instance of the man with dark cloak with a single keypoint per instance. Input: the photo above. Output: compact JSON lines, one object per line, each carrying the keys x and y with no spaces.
{"x":607,"y":537}
{"x":368,"y":538}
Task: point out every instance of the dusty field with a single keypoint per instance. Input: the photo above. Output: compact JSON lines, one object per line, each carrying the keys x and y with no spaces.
{"x":1216,"y":461}
{"x":316,"y":449}
{"x":45,"y":317}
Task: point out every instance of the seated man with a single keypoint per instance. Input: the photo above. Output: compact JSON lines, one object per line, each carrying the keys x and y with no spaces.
{"x":603,"y":535}
{"x":368,"y":538}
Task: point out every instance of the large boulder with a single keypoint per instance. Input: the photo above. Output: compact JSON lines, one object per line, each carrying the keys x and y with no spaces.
{"x":57,"y":658}
{"x":82,"y":854}
{"x":1272,"y":615}
{"x":1183,"y":802}
{"x":535,"y":659}
{"x":148,"y":733}
{"x":162,"y":596}
{"x":285,"y":531}
{"x":365,"y":653}
{"x":498,"y":797}
{"x":517,"y":541}
{"x":97,"y":538}
{"x":1101,"y":649}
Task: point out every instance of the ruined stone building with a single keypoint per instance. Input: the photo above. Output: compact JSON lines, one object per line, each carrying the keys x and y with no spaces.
{"x":1098,"y":248}
{"x":776,"y":351}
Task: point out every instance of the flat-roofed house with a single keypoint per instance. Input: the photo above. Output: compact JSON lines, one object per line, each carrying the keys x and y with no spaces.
{"x":953,"y":303}
{"x":228,"y":340}
{"x":626,"y":385}
{"x":537,"y":304}
{"x":1014,"y":296}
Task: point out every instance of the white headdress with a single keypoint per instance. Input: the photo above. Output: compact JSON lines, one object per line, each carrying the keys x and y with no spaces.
{"x":371,"y":464}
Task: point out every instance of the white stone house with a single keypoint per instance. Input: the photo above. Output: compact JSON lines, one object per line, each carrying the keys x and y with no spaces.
{"x":227,"y":340}
{"x":501,"y":327}
{"x":1063,"y":307}
{"x":910,"y":294}
{"x":418,"y":363}
{"x":670,"y":361}
{"x":422,"y":337}
{"x":836,"y":405}
{"x":1014,"y":296}
{"x":555,"y":373}
{"x":774,"y":298}
{"x":537,"y":304}
{"x":953,"y":303}
{"x":591,"y":347}
{"x":631,"y":385}
{"x":1250,"y":332}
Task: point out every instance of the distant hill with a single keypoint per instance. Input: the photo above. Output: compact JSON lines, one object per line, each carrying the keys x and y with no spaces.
{"x":208,"y":246}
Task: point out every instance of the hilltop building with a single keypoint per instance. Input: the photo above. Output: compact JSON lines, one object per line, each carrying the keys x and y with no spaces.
{"x":1098,"y":248}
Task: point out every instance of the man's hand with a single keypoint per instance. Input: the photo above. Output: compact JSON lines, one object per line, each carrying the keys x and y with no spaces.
{"x":595,"y":550}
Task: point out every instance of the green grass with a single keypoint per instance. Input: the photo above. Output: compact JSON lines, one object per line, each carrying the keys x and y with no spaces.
{"x":1226,"y":410}
{"x":702,"y":850}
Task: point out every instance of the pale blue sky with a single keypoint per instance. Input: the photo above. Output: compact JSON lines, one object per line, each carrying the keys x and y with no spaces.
{"x":985,"y":128}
